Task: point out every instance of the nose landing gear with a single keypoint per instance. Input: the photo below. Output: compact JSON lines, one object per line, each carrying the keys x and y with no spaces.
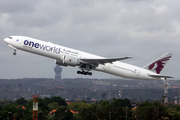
{"x":14,"y":53}
{"x":84,"y":72}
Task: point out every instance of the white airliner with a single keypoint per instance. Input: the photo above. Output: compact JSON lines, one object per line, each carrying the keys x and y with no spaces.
{"x":69,"y":57}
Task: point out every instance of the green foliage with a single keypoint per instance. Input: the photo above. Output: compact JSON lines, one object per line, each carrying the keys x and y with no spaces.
{"x":104,"y":110}
{"x":115,"y":110}
{"x":29,"y":105}
{"x":75,"y":106}
{"x":86,"y":111}
{"x":122,"y":102}
{"x":5,"y":102}
{"x":62,"y":113}
{"x":173,"y":112}
{"x":104,"y":103}
{"x":177,"y":108}
{"x":10,"y":108}
{"x":150,"y":111}
{"x":59,"y":100}
{"x":42,"y":107}
{"x":21,"y":101}
{"x":53,"y":105}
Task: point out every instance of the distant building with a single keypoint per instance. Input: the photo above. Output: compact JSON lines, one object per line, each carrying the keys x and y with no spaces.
{"x":58,"y":71}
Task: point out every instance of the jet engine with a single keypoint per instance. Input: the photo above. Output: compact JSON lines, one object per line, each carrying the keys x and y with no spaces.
{"x":68,"y":61}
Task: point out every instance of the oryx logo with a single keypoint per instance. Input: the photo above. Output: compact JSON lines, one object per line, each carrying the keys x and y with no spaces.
{"x":159,"y":65}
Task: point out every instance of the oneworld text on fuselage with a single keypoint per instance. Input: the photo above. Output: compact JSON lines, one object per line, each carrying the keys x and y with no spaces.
{"x":42,"y":46}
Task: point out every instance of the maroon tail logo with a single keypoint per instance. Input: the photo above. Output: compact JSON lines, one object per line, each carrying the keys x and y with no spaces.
{"x":160,"y":64}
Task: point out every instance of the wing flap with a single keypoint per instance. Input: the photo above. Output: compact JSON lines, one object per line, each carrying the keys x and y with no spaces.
{"x":101,"y":61}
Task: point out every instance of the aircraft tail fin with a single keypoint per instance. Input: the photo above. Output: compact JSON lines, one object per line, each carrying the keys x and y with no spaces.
{"x":158,"y":64}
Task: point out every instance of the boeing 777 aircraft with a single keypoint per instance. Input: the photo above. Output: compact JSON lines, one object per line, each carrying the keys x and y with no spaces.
{"x":69,"y":57}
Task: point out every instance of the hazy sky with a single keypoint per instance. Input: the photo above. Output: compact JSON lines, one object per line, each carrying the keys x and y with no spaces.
{"x":142,"y":29}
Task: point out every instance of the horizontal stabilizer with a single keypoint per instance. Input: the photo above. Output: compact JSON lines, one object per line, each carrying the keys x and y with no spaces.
{"x":102,"y":61}
{"x":160,"y":76}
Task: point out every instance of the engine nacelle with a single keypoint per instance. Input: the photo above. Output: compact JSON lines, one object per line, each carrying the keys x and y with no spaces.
{"x":71,"y":61}
{"x":60,"y":63}
{"x":68,"y":61}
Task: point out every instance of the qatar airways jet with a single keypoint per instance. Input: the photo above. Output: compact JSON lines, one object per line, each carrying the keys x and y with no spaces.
{"x":65,"y":56}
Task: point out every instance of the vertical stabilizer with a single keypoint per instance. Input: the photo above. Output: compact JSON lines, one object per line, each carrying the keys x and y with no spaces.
{"x":157,"y":65}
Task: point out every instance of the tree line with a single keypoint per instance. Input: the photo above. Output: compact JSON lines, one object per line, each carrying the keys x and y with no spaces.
{"x":56,"y":108}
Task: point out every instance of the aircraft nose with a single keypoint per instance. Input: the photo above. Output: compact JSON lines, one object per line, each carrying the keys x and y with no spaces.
{"x":7,"y":40}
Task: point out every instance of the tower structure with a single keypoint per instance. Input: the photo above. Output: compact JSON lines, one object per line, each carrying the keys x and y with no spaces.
{"x":35,"y":107}
{"x":175,"y":97}
{"x":166,"y":93}
{"x":120,"y":93}
{"x":179,"y":96}
{"x":86,"y":96}
{"x":58,"y":71}
{"x":109,"y":95}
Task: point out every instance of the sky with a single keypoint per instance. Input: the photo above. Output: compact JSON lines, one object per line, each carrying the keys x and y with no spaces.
{"x":141,"y":29}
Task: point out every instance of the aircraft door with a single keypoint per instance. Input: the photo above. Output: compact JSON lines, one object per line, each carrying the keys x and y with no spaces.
{"x":20,"y":41}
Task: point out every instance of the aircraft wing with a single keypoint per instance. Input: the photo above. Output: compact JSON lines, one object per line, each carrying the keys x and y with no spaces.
{"x":101,"y":61}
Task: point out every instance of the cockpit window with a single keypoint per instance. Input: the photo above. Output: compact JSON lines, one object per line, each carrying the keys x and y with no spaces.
{"x":10,"y":37}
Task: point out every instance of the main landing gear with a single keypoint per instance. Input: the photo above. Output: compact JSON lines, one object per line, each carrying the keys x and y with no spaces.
{"x":14,"y":53}
{"x":84,"y":72}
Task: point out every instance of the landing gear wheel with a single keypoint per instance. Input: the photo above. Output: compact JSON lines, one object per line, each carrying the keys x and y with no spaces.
{"x":90,"y":73}
{"x":78,"y":72}
{"x":14,"y":53}
{"x":84,"y":72}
